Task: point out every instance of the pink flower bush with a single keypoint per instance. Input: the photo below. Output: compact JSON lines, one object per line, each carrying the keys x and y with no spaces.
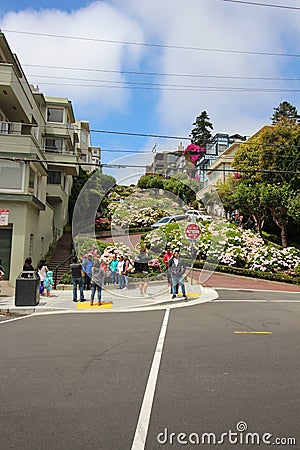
{"x":102,"y":223}
{"x":193,"y":153}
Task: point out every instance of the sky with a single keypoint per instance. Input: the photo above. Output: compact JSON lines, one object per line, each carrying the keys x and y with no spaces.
{"x":151,"y":67}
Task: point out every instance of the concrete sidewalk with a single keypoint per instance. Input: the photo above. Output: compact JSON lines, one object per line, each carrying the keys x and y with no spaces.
{"x":113,"y":299}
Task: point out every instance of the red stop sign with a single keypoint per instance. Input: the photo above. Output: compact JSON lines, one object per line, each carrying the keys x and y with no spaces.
{"x":192,"y":231}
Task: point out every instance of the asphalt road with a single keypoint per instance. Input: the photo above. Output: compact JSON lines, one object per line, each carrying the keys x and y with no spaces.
{"x":77,"y":381}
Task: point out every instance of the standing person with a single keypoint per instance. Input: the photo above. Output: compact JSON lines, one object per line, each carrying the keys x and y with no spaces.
{"x":42,"y":271}
{"x":167,"y":256}
{"x":177,"y":270}
{"x":113,"y":266}
{"x":28,"y":267}
{"x":141,"y":266}
{"x":87,"y":270}
{"x":98,"y":274}
{"x":48,"y":282}
{"x":76,"y":271}
{"x":121,"y":279}
{"x":125,"y":272}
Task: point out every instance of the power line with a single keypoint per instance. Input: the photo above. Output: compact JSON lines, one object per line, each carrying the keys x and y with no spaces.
{"x":186,"y":89}
{"x":144,"y":84}
{"x":262,"y":4}
{"x":163,"y":74}
{"x":144,"y":44}
{"x":123,"y":166}
{"x":127,"y":133}
{"x":150,"y":152}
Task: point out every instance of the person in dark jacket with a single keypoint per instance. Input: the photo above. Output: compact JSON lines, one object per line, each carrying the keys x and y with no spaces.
{"x":98,"y":274}
{"x":177,"y":271}
{"x":76,"y":271}
{"x":28,"y":267}
{"x":141,"y":266}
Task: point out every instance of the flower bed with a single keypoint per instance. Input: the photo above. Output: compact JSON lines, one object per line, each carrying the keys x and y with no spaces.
{"x":223,"y":243}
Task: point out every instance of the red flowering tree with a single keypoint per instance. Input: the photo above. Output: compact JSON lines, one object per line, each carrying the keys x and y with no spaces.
{"x":193,"y":153}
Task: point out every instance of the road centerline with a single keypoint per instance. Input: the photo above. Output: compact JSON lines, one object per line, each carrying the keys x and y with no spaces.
{"x":141,"y":431}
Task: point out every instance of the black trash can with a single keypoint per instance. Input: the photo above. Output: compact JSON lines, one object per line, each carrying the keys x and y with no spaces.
{"x":27,"y":289}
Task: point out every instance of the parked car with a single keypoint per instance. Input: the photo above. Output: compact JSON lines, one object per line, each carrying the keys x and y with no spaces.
{"x":169,"y":219}
{"x":198,"y":215}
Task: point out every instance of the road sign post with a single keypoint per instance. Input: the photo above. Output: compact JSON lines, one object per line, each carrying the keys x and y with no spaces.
{"x":192,"y":232}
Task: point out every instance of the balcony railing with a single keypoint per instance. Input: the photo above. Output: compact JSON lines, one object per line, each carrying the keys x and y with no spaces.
{"x":18,"y":129}
{"x":59,"y":151}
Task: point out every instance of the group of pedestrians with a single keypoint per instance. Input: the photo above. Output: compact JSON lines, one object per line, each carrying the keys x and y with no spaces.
{"x":45,"y":275}
{"x":92,"y":274}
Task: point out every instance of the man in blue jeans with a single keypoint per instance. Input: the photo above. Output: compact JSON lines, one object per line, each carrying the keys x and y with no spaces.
{"x":177,"y":270}
{"x":76,"y":271}
{"x":87,"y":270}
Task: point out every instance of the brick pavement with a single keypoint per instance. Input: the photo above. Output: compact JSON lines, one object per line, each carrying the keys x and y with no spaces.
{"x":223,"y":280}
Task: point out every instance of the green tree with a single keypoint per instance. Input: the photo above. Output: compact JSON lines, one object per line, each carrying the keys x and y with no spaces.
{"x":78,"y":183}
{"x":272,"y":155}
{"x":201,"y":134}
{"x":285,"y":112}
{"x":281,"y":202}
{"x":150,"y":182}
{"x":248,"y":196}
{"x":226,"y":193}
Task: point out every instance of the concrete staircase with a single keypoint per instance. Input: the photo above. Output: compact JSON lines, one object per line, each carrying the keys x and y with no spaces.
{"x":62,"y":250}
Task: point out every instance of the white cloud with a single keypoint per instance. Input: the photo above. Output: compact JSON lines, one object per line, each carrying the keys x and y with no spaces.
{"x":97,"y":21}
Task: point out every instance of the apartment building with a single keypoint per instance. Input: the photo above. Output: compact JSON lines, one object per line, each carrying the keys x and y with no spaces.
{"x":168,"y":163}
{"x":38,"y":160}
{"x":218,"y":144}
{"x":89,"y":156}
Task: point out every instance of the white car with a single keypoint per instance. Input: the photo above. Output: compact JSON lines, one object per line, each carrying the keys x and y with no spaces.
{"x":169,"y":219}
{"x":197,"y":215}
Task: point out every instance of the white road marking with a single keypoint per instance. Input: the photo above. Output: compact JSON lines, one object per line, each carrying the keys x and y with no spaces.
{"x":15,"y":318}
{"x":141,"y":431}
{"x":255,"y":301}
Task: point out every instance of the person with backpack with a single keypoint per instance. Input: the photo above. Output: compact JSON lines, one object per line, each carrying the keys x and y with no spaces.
{"x":98,"y":275}
{"x":177,"y":270}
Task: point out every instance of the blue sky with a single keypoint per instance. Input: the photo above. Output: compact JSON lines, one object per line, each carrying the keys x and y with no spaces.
{"x":208,"y":55}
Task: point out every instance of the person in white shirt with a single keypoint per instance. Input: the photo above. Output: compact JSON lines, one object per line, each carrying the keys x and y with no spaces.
{"x":121,"y":278}
{"x":42,"y":271}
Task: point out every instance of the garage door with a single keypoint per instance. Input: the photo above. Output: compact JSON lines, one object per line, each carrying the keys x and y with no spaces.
{"x":5,"y":249}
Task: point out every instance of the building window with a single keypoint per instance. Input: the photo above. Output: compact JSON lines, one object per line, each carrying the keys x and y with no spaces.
{"x":31,"y":239}
{"x":32,"y":180}
{"x":55,"y":115}
{"x":42,"y":247}
{"x":54,"y":145}
{"x":11,"y":176}
{"x":54,"y":177}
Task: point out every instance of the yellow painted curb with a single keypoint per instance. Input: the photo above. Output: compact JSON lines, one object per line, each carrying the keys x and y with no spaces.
{"x":191,"y":295}
{"x":86,"y":305}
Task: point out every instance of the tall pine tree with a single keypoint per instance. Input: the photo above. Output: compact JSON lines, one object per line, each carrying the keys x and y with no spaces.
{"x":201,"y":134}
{"x":285,"y":112}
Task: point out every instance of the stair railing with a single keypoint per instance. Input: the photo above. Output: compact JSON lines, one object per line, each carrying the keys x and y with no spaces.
{"x":61,"y":264}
